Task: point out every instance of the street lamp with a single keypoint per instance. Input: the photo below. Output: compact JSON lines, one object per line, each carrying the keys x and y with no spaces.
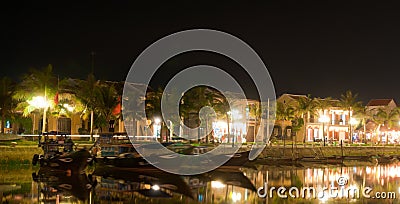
{"x":40,"y":102}
{"x":323,"y":119}
{"x":352,"y":121}
{"x":157,"y":128}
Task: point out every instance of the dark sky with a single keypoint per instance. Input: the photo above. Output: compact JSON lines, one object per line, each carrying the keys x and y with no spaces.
{"x":319,"y":47}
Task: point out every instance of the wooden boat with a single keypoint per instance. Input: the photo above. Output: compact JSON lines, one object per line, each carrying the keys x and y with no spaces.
{"x":117,"y":150}
{"x":54,"y":185}
{"x":115,"y":182}
{"x":60,"y":154}
{"x":232,"y":177}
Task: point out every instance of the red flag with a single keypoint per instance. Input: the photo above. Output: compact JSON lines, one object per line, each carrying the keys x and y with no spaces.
{"x":117,"y":109}
{"x":56,"y":99}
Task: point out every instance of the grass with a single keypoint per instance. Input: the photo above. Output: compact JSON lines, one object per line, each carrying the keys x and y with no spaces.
{"x":19,"y":155}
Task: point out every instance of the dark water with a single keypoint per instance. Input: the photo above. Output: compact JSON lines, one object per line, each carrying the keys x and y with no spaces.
{"x":228,"y":185}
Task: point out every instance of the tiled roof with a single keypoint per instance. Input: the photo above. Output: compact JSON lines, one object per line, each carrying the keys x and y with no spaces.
{"x":379,"y":102}
{"x":295,"y":96}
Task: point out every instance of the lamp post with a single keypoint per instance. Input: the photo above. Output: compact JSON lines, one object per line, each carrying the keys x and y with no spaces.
{"x":323,"y":119}
{"x":40,"y":102}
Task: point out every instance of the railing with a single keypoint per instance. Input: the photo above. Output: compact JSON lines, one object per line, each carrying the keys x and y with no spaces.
{"x":59,"y":135}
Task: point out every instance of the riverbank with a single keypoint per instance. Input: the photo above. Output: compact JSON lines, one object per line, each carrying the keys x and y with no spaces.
{"x":328,"y":151}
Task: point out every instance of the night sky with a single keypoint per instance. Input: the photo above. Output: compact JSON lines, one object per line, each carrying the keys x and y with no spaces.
{"x":322,"y":47}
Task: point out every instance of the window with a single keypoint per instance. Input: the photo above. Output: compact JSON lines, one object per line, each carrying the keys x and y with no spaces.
{"x":64,"y":125}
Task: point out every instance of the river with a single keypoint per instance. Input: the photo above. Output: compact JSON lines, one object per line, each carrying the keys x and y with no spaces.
{"x":284,"y":184}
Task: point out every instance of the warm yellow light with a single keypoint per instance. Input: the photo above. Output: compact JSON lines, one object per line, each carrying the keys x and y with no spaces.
{"x":323,"y":119}
{"x":236,"y":196}
{"x":38,"y":102}
{"x":353,"y":121}
{"x":68,"y":107}
{"x":217,"y":184}
{"x":155,"y":187}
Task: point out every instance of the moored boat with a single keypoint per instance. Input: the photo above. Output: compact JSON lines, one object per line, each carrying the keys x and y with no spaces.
{"x":59,"y":153}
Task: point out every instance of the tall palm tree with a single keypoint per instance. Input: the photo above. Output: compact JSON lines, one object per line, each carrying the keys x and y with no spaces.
{"x":255,"y":111}
{"x":132,"y":103}
{"x":305,"y":106}
{"x":284,"y":112}
{"x":37,"y":82}
{"x":365,"y":115}
{"x":85,"y":91}
{"x":106,"y":99}
{"x":386,"y":118}
{"x":153,"y":105}
{"x":349,"y":102}
{"x":7,"y":104}
{"x":221,"y":105}
{"x":323,"y":104}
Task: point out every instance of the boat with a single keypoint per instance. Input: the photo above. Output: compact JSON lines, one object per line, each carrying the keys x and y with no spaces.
{"x":233,"y":177}
{"x":117,"y":150}
{"x":60,"y":153}
{"x":55,"y":186}
{"x":115,"y":183}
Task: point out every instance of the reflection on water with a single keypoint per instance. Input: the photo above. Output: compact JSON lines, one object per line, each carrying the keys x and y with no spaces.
{"x":124,"y":185}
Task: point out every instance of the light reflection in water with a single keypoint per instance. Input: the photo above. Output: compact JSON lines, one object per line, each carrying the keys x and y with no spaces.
{"x":233,"y":186}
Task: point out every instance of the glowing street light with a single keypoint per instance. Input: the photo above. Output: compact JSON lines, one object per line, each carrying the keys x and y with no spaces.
{"x":155,"y":187}
{"x":323,"y":119}
{"x":157,"y":121}
{"x":40,"y":102}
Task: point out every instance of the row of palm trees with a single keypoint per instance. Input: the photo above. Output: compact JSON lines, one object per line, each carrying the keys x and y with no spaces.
{"x":95,"y":100}
{"x":90,"y":98}
{"x":298,"y":112}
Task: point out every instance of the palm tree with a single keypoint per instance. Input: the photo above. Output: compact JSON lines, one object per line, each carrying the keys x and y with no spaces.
{"x":153,"y":105}
{"x":386,"y":118}
{"x":365,"y":116}
{"x":37,"y":82}
{"x":284,"y":112}
{"x":323,"y":104}
{"x":132,"y":103}
{"x":85,"y":91}
{"x":221,"y":106}
{"x":305,"y":106}
{"x":349,"y":102}
{"x":255,"y":111}
{"x":7,"y":104}
{"x":106,"y":99}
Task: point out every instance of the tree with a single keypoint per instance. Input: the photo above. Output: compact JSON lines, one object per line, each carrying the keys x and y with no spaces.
{"x":153,"y":104}
{"x":255,"y":111}
{"x":132,"y":103}
{"x":386,"y":118}
{"x":37,"y":83}
{"x":85,"y":91}
{"x":221,"y":106}
{"x":106,"y":99}
{"x":284,"y":112}
{"x":7,"y":103}
{"x":349,"y":102}
{"x":365,"y":116}
{"x":305,"y":106}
